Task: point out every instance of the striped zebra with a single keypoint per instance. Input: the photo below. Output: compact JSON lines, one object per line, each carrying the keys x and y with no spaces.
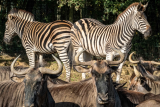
{"x":99,"y":39}
{"x":39,"y":38}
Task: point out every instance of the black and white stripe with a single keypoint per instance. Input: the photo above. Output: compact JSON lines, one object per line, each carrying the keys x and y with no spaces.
{"x":99,"y":39}
{"x":37,"y":37}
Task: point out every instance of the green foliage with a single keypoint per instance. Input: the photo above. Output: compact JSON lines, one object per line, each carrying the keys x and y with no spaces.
{"x":115,"y":7}
{"x":76,"y":3}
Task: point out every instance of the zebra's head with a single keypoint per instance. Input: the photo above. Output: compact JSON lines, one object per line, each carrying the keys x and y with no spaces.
{"x":15,"y":23}
{"x":140,"y":22}
{"x":10,"y":30}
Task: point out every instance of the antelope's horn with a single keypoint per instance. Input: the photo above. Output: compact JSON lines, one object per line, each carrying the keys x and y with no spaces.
{"x":82,"y":70}
{"x":137,"y":73}
{"x":130,"y":58}
{"x":156,"y":63}
{"x":119,"y":61}
{"x":20,"y":72}
{"x":80,"y":51}
{"x":54,"y":72}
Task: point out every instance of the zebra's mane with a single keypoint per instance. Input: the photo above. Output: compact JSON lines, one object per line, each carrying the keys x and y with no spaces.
{"x":22,"y":14}
{"x":132,"y":5}
{"x":151,"y":82}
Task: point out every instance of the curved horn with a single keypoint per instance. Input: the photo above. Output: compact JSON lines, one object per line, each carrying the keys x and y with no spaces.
{"x":135,"y":62}
{"x":18,"y":72}
{"x":156,"y":63}
{"x":136,"y":72}
{"x":80,"y":51}
{"x":82,"y":70}
{"x":119,"y":61}
{"x":152,"y":62}
{"x":130,"y":58}
{"x":48,"y":71}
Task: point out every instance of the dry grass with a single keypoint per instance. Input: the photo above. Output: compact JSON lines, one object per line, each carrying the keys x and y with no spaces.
{"x":6,"y":60}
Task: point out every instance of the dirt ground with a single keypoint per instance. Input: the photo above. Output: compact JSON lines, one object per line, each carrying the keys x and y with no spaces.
{"x":6,"y":60}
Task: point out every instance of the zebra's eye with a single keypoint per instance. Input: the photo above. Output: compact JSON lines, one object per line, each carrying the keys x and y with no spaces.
{"x":140,"y":17}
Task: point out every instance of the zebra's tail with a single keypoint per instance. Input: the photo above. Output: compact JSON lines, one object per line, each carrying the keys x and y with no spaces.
{"x":71,"y":54}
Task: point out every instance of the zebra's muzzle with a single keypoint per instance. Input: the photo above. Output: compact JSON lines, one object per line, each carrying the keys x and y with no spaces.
{"x":6,"y":41}
{"x":147,"y":33}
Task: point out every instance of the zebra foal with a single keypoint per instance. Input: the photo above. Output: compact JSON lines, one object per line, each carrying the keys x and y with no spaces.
{"x":97,"y":38}
{"x":38,"y":37}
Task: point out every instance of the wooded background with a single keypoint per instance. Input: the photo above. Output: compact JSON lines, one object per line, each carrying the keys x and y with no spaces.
{"x":106,"y":11}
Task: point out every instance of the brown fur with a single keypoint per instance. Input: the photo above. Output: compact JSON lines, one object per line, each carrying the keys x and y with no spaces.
{"x":81,"y":93}
{"x":150,"y":103}
{"x":4,"y":73}
{"x":11,"y":94}
{"x":100,"y":67}
{"x":135,"y":97}
{"x":131,"y":99}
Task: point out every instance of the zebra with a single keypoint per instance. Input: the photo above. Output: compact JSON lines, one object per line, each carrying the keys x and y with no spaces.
{"x":39,"y":38}
{"x":98,"y":39}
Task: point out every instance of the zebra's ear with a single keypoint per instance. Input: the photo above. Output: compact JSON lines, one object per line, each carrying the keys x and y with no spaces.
{"x":10,"y":17}
{"x":139,"y":7}
{"x":145,"y":6}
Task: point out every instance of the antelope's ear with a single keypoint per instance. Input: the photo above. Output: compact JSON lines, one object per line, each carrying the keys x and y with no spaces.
{"x":17,"y":79}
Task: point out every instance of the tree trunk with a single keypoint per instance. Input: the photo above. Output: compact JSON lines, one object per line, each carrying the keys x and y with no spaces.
{"x":80,"y":13}
{"x":71,"y":14}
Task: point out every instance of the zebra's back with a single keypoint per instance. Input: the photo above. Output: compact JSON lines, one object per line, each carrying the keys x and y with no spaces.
{"x":93,"y":36}
{"x":44,"y":36}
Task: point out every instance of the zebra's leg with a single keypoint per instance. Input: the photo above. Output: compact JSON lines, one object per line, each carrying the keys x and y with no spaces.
{"x":41,"y":60}
{"x":109,"y":57}
{"x":125,"y":49}
{"x":64,"y":58}
{"x":31,"y":57}
{"x":85,"y":56}
{"x":119,"y":70}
